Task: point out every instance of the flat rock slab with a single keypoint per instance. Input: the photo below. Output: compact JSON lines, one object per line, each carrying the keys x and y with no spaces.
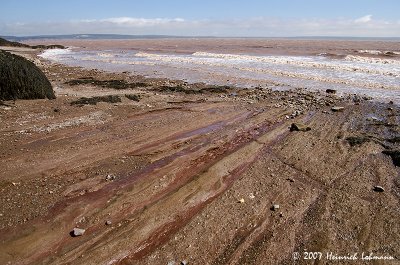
{"x":299,"y":127}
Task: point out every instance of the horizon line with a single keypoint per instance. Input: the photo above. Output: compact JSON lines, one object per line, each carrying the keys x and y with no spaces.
{"x":89,"y":35}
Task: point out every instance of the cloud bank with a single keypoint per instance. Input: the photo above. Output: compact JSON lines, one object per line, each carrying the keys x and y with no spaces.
{"x":366,"y":26}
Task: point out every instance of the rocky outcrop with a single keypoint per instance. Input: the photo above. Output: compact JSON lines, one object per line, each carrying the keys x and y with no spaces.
{"x":4,"y":42}
{"x":21,"y":79}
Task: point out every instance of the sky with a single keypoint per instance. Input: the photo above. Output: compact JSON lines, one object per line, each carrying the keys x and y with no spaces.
{"x":221,"y":18}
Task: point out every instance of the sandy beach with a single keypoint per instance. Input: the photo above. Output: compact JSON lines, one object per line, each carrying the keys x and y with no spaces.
{"x":171,"y":172}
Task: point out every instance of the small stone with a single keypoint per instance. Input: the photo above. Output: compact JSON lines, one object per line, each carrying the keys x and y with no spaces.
{"x":184,"y":262}
{"x":108,"y":222}
{"x":241,"y":200}
{"x":299,"y":127}
{"x":290,"y":179}
{"x":77,"y":232}
{"x":275,"y":207}
{"x":379,"y":189}
{"x":110,"y":177}
{"x":337,"y":109}
{"x":331,"y":91}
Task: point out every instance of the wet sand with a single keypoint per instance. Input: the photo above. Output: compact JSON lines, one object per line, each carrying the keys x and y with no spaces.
{"x":183,"y":175}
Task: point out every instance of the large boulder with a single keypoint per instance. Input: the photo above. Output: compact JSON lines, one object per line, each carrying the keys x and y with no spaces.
{"x":21,"y":79}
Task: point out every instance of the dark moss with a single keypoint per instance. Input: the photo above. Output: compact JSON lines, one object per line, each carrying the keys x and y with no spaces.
{"x":133,"y":97}
{"x":193,"y":89}
{"x":115,"y":84}
{"x":95,"y":100}
{"x":384,"y":123}
{"x":394,"y":140}
{"x":178,"y":89}
{"x":216,"y":89}
{"x":53,"y":46}
{"x":357,"y":140}
{"x":21,"y":79}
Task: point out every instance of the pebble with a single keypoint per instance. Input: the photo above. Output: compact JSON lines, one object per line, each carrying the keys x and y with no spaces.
{"x":379,"y":189}
{"x":77,"y":232}
{"x":275,"y":207}
{"x":184,"y":262}
{"x":331,"y":91}
{"x":241,"y":200}
{"x":337,"y":109}
{"x":108,"y":222}
{"x":110,"y":177}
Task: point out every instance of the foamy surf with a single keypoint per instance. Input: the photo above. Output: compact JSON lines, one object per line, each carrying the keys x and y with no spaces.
{"x":378,"y":77}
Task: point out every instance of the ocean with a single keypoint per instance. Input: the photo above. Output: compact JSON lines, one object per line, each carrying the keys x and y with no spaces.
{"x":369,"y":68}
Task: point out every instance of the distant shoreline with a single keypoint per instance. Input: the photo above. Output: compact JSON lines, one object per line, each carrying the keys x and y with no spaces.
{"x":133,"y":37}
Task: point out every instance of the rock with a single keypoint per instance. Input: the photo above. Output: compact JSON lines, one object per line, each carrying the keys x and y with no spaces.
{"x":395,"y":155}
{"x":275,"y":207}
{"x":379,"y":189}
{"x":299,"y":127}
{"x":337,"y":109}
{"x":184,"y":262}
{"x":110,"y":177}
{"x":241,"y":200}
{"x":77,"y":232}
{"x":22,"y":79}
{"x":4,"y":42}
{"x":108,"y":222}
{"x":331,"y":91}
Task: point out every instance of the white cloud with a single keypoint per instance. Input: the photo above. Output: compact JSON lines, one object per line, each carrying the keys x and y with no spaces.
{"x":364,"y":19}
{"x":249,"y":27}
{"x":140,"y":22}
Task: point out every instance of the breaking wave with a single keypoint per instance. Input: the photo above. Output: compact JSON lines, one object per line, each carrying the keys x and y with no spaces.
{"x":341,"y":72}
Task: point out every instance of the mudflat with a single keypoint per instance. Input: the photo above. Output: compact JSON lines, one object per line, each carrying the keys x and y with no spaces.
{"x":159,"y":171}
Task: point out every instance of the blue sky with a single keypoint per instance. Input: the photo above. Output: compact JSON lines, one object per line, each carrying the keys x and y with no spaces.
{"x":207,"y":17}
